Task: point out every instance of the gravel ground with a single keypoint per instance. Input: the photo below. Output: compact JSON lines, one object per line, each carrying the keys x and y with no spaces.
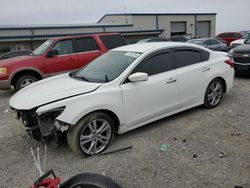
{"x":194,"y":140}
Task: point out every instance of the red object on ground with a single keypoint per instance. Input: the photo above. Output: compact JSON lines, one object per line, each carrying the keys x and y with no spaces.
{"x":48,"y":183}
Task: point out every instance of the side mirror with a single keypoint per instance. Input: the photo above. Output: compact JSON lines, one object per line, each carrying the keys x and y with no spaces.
{"x":138,"y":77}
{"x":52,"y":53}
{"x":247,"y":41}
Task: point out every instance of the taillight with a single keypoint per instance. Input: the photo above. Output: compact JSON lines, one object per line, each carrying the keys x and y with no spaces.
{"x":230,"y":62}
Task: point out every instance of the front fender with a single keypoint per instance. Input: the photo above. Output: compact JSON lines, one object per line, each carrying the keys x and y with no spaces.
{"x":79,"y":106}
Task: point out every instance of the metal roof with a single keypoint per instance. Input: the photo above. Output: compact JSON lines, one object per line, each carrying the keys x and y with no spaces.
{"x":155,"y":14}
{"x":63,"y":26}
{"x":29,"y":37}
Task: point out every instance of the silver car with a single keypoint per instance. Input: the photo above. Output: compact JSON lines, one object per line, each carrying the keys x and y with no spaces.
{"x":211,"y":43}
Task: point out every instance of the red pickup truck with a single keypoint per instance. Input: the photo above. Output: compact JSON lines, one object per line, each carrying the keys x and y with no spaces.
{"x":55,"y":56}
{"x":230,"y":36}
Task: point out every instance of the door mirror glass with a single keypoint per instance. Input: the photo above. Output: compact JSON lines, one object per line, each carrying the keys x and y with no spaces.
{"x":138,"y":77}
{"x":52,"y":53}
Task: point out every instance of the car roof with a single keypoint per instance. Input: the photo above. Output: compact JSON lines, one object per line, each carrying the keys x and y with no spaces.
{"x":83,"y":35}
{"x":143,"y":47}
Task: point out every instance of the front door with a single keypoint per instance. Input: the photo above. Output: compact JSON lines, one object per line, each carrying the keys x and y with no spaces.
{"x":65,"y":61}
{"x":158,"y":95}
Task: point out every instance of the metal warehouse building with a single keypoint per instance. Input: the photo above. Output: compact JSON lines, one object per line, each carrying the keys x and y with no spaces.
{"x":133,"y":26}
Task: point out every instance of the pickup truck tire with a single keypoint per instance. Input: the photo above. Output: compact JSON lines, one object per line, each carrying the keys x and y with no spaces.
{"x":91,"y":135}
{"x":24,"y":81}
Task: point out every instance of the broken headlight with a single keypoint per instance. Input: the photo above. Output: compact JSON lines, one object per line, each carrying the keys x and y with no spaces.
{"x":47,"y":121}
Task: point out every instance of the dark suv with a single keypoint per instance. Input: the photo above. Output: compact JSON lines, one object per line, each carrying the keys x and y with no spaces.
{"x":241,"y":57}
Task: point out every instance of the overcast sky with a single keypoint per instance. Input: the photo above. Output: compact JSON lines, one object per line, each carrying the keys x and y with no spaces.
{"x":232,"y":15}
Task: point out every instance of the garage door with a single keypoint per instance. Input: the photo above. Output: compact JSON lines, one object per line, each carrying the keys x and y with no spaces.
{"x":178,"y":28}
{"x":203,"y":28}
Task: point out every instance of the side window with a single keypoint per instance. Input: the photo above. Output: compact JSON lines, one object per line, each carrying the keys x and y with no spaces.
{"x":86,"y":45}
{"x":112,"y":41}
{"x":64,"y":47}
{"x":156,"y":64}
{"x":207,"y":43}
{"x":186,"y":57}
{"x":238,"y":35}
{"x":214,"y":42}
{"x":205,"y":55}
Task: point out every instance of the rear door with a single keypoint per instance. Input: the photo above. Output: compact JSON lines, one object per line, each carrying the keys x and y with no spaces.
{"x":87,"y":50}
{"x":64,"y":61}
{"x":158,"y":95}
{"x":193,"y":70}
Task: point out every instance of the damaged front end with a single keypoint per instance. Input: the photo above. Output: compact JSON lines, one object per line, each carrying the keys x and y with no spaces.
{"x":43,"y":125}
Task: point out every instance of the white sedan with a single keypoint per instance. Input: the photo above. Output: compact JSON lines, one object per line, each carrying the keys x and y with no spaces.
{"x":124,"y":89}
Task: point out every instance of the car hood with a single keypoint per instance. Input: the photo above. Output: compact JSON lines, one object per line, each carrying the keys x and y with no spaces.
{"x":49,"y":90}
{"x":242,"y":49}
{"x":18,"y":59}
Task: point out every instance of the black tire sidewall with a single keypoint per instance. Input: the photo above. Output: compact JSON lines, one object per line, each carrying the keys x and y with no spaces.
{"x":206,"y":102}
{"x":73,"y":135}
{"x":21,"y":78}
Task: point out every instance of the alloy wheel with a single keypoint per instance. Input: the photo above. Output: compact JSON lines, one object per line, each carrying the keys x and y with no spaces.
{"x":95,"y":136}
{"x":215,"y":93}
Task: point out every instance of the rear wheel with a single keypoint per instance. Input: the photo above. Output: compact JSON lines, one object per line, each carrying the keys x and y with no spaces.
{"x":24,"y":81}
{"x":91,"y":135}
{"x":214,"y":93}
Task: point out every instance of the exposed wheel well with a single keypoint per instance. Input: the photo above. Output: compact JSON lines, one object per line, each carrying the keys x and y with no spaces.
{"x":224,"y":84}
{"x":25,"y":72}
{"x":111,"y":114}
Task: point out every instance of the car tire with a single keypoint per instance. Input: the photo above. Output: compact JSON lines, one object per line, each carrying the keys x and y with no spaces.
{"x":91,"y":135}
{"x":214,"y":93}
{"x":24,"y":81}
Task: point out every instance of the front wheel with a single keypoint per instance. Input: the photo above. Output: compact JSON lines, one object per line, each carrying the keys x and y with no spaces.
{"x":214,"y":93}
{"x":91,"y":135}
{"x":24,"y":81}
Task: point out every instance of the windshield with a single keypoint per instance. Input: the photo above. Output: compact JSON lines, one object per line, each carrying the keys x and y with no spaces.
{"x":199,"y":42}
{"x":41,"y":49}
{"x":107,"y":67}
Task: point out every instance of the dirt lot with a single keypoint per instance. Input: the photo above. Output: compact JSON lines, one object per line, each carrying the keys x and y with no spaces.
{"x":194,"y":140}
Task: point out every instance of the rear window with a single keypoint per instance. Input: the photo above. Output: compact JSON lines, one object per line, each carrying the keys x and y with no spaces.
{"x":112,"y":41}
{"x":86,"y":45}
{"x":186,"y":57}
{"x":205,"y":55}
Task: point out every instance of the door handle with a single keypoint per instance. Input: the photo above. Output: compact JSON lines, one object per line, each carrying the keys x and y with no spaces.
{"x":171,"y":80}
{"x":206,"y":69}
